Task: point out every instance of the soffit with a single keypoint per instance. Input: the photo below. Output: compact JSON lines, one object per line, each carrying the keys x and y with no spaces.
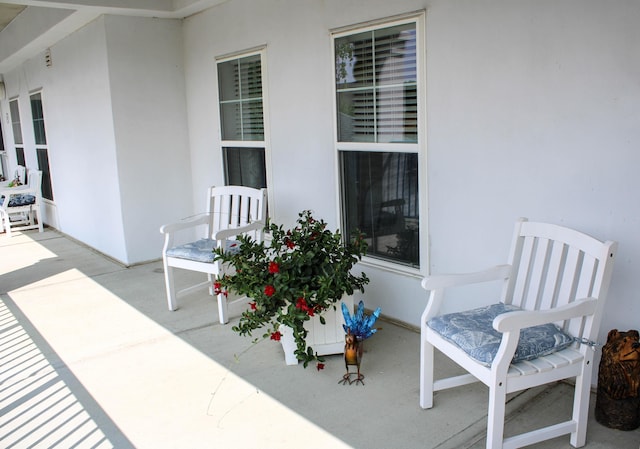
{"x":8,"y":12}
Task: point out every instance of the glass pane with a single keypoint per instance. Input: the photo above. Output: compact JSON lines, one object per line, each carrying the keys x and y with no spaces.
{"x":230,"y":121}
{"x":252,"y":120}
{"x":383,"y":108}
{"x":20,"y":157}
{"x":397,"y":114}
{"x":396,"y":55}
{"x":15,"y":122}
{"x":240,"y":89}
{"x":251,"y":77}
{"x":43,"y":165}
{"x":242,"y":120}
{"x":38,"y":119}
{"x":4,"y":176}
{"x":356,"y":119}
{"x":354,"y":60}
{"x":380,"y":198}
{"x":228,"y":85}
{"x":245,"y":167}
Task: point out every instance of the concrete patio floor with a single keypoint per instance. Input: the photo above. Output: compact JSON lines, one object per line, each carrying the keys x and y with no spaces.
{"x":91,"y":357}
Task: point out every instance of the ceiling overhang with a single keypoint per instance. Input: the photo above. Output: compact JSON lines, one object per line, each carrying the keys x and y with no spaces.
{"x":30,"y":26}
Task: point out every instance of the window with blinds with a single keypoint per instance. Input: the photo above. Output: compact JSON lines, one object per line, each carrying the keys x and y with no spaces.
{"x":14,"y":109}
{"x":42,"y":151}
{"x":240,"y":89}
{"x":376,"y":85}
{"x":242,"y":120}
{"x":37,"y":117}
{"x":377,"y":78}
{"x":4,"y":163}
{"x":16,"y":126}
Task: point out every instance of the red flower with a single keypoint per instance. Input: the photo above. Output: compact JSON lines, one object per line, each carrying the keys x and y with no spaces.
{"x":320,"y":366}
{"x":274,"y":267}
{"x":302,"y":305}
{"x":269,"y":290}
{"x":252,"y":305}
{"x":276,"y":336}
{"x":217,"y":289}
{"x":290,"y":244}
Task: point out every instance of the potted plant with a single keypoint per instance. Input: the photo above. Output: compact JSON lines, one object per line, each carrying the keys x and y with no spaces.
{"x":299,"y":274}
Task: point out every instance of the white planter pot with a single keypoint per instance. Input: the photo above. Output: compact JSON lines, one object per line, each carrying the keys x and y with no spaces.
{"x":325,"y":339}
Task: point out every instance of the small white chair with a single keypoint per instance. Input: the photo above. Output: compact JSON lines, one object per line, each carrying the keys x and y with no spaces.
{"x":21,"y":207}
{"x":231,"y":211}
{"x":554,"y":291}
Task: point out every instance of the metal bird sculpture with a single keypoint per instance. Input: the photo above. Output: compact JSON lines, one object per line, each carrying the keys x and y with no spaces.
{"x":358,"y":328}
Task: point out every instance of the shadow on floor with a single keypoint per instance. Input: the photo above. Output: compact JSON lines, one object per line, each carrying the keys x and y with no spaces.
{"x":42,"y":403}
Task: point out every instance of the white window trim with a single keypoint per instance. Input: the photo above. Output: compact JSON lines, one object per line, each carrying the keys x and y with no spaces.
{"x":420,"y":147}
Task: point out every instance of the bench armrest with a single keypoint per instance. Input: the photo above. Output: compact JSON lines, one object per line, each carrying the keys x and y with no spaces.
{"x":439,"y":281}
{"x":231,"y":232}
{"x":514,"y":321}
{"x":187,"y":223}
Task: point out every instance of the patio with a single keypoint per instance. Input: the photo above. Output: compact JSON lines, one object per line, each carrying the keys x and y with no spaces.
{"x":92,"y":357}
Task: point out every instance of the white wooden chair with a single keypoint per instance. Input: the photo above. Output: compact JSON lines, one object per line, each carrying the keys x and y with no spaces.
{"x":231,"y":210}
{"x":21,"y":207}
{"x":559,"y":278}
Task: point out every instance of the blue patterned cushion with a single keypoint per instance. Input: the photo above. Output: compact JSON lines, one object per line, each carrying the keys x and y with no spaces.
{"x":473,"y":332}
{"x":19,"y":200}
{"x":200,"y":251}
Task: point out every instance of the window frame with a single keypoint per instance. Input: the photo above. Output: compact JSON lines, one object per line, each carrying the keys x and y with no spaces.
{"x":42,"y":149}
{"x":252,"y":144}
{"x":4,"y":157}
{"x":419,"y":147}
{"x":16,"y":125}
{"x":16,"y":122}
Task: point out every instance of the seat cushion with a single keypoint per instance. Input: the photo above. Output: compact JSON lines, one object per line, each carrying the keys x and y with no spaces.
{"x":19,"y":200}
{"x":473,"y":332}
{"x":201,"y":250}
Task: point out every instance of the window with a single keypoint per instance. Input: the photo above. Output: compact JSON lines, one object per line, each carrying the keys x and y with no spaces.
{"x":16,"y":126}
{"x":38,"y":119}
{"x":4,"y":166}
{"x":42,"y":152}
{"x":244,"y":167}
{"x":20,"y":157}
{"x":378,"y":137}
{"x":242,"y":120}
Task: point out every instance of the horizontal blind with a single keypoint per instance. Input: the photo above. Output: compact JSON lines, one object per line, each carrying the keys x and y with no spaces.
{"x":376,"y":78}
{"x":240,"y":90}
{"x":38,"y":119}
{"x":15,"y":122}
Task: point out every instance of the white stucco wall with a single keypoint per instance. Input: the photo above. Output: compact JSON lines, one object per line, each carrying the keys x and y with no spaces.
{"x":532,"y":111}
{"x":81,"y":142}
{"x":79,"y":125}
{"x":150,"y":123}
{"x":115,"y":118}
